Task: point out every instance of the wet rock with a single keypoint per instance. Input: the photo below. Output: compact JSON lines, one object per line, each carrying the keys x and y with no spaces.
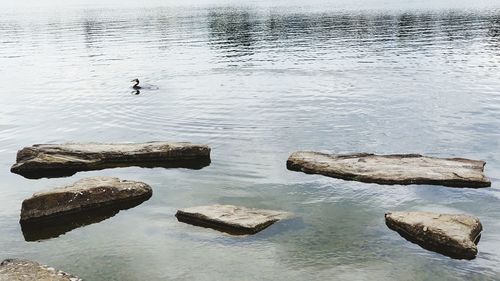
{"x":88,"y":194}
{"x":56,"y":160}
{"x":454,"y":235}
{"x":231,"y":219}
{"x":25,"y":270}
{"x":392,"y":169}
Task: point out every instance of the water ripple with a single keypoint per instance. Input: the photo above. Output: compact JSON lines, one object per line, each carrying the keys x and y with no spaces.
{"x":256,"y":82}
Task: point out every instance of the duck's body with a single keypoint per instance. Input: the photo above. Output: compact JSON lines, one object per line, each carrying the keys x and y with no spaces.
{"x":136,"y":85}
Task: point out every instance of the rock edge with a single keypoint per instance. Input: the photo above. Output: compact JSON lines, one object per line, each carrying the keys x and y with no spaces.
{"x":231,"y":219}
{"x":392,"y":169}
{"x":453,"y":235}
{"x":84,"y":195}
{"x":56,"y":160}
{"x":25,"y":270}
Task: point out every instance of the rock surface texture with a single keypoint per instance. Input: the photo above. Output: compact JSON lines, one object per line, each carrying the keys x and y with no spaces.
{"x":24,"y":270}
{"x":454,"y":235}
{"x":52,"y":160}
{"x":392,"y":169}
{"x":231,"y":219}
{"x":84,"y":195}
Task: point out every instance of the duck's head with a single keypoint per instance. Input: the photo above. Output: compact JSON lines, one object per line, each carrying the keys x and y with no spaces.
{"x":135,"y":80}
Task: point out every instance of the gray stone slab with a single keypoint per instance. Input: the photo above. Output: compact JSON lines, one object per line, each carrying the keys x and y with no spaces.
{"x":54,"y":160}
{"x":25,"y":270}
{"x":84,"y":195}
{"x":231,"y":219}
{"x":392,"y":169}
{"x":454,"y":235}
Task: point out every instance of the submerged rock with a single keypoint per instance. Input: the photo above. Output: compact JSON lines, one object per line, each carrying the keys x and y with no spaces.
{"x":392,"y":169}
{"x":25,"y":270}
{"x":55,"y":160}
{"x":231,"y":219}
{"x":454,"y":235}
{"x":88,"y":194}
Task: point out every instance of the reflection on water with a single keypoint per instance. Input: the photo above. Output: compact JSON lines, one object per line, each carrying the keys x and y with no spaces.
{"x":256,"y":82}
{"x":236,"y":29}
{"x":46,"y":229}
{"x":56,"y":172}
{"x":232,"y":32}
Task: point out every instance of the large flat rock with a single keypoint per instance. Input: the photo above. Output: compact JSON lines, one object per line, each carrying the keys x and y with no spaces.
{"x":88,"y":194}
{"x":392,"y":169}
{"x":55,"y":160}
{"x":454,"y":235}
{"x":231,"y":219}
{"x":25,"y":270}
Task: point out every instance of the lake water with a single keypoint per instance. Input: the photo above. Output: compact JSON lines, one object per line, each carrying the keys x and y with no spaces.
{"x":255,"y":81}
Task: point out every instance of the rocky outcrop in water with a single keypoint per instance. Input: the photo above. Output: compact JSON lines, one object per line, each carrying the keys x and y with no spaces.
{"x":25,"y":270}
{"x":392,"y":169}
{"x":231,"y":219}
{"x":55,"y":160}
{"x":85,"y":195}
{"x":454,"y":235}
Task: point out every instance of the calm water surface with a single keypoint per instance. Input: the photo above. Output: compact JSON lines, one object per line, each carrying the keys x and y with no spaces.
{"x":255,"y":81}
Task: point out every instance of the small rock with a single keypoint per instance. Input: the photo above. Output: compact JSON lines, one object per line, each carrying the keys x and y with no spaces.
{"x":231,"y":219}
{"x":392,"y":169}
{"x":84,"y":195}
{"x":56,"y":160}
{"x":454,"y":235}
{"x":24,"y":270}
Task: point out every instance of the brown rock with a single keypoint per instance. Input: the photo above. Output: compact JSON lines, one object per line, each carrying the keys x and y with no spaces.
{"x":84,"y":195}
{"x":454,"y":235}
{"x":392,"y":169}
{"x":231,"y":219}
{"x":53,"y":160}
{"x":24,"y":270}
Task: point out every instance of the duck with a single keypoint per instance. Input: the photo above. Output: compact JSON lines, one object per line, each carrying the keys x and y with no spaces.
{"x":136,"y":85}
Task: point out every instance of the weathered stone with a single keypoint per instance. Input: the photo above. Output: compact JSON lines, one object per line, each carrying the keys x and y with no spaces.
{"x":54,"y":160}
{"x":231,"y":219}
{"x":25,"y":270}
{"x":392,"y":169}
{"x":84,"y":195}
{"x":454,"y":235}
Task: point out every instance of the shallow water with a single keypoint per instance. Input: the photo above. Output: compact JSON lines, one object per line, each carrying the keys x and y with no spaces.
{"x":255,"y":81}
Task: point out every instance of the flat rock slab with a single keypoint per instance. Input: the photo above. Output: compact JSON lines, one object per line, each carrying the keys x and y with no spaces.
{"x":84,"y":195}
{"x":25,"y":270}
{"x":392,"y":169}
{"x":454,"y":235}
{"x":55,"y":160}
{"x":231,"y":219}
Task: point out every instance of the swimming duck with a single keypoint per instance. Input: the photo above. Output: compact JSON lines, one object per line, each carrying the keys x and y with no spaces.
{"x":136,"y":85}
